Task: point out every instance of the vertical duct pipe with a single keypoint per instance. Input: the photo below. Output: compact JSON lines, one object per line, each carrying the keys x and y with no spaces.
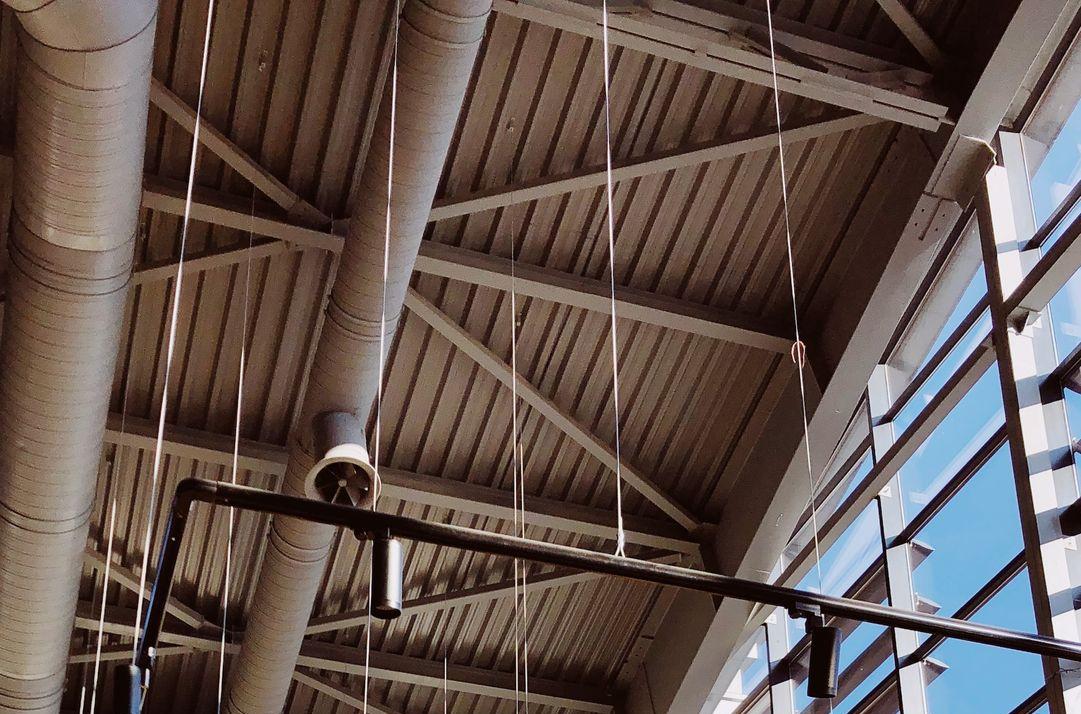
{"x":84,"y":71}
{"x":439,"y":40}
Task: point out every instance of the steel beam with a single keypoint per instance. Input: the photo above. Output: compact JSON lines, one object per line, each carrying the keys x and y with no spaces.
{"x":911,"y":678}
{"x":913,"y":31}
{"x":960,"y":166}
{"x":1039,"y":438}
{"x":221,"y":146}
{"x":469,"y":596}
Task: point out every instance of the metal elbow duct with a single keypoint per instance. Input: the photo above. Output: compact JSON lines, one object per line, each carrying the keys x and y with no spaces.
{"x":438,"y":44}
{"x":84,"y":70}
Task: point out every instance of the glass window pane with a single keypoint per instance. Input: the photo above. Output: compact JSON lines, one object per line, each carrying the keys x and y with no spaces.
{"x":1060,"y":169}
{"x":964,"y":430}
{"x":960,"y":352}
{"x":846,"y":560}
{"x":972,"y":538}
{"x":976,"y":289}
{"x":981,"y":679}
{"x":1066,"y":316}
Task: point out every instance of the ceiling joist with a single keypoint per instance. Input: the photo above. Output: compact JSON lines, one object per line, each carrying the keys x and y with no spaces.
{"x":451,"y":494}
{"x":458,"y":264}
{"x":329,"y":657}
{"x":684,"y":157}
{"x":471,"y":596}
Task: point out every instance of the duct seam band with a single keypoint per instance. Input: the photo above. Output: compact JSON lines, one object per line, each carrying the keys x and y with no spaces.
{"x":35,"y":525}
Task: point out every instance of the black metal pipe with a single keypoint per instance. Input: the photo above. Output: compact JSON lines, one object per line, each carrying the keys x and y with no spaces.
{"x":359,"y":520}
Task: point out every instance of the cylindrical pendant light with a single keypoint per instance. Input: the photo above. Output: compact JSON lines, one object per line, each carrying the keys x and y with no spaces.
{"x":386,"y":577}
{"x":825,"y":656}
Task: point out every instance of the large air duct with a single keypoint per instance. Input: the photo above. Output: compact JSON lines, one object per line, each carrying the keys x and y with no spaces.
{"x":84,"y":71}
{"x":439,"y":40}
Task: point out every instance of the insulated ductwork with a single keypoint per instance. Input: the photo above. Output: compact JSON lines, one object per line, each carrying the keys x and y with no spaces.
{"x":438,"y":44}
{"x":84,"y":71}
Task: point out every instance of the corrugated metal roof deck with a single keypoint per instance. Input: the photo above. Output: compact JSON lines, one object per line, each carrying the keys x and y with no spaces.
{"x":291,"y":83}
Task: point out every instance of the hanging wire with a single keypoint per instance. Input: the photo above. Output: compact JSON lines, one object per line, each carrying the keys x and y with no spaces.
{"x":521,"y":597}
{"x":101,"y":613}
{"x":799,"y":349}
{"x":621,"y":537}
{"x":377,"y":445}
{"x":105,"y":580}
{"x":236,"y":454}
{"x":171,"y":348}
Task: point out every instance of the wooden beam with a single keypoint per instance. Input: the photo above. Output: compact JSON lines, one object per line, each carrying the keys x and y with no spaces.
{"x":329,"y":657}
{"x":499,"y":369}
{"x":138,"y":433}
{"x":130,"y":581}
{"x":340,"y":693}
{"x":406,"y":486}
{"x":470,"y":596}
{"x":913,"y":31}
{"x":594,"y":295}
{"x":699,"y":38}
{"x":490,"y":502}
{"x":183,"y":114}
{"x":683,"y":157}
{"x":230,"y":212}
{"x":457,"y":264}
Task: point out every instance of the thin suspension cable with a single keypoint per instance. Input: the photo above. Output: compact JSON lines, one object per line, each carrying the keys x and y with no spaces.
{"x":101,"y":613}
{"x":799,"y":350}
{"x":171,"y":348}
{"x":377,"y":445}
{"x":236,"y":456}
{"x":621,"y":537}
{"x":105,"y":580}
{"x":521,"y":620}
{"x":386,"y":251}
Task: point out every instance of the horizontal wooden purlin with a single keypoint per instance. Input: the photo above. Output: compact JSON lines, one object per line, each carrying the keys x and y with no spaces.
{"x":406,"y":486}
{"x":594,"y":295}
{"x":340,"y":693}
{"x":223,"y":147}
{"x":455,"y":263}
{"x":468,"y":680}
{"x":662,"y":31}
{"x":490,"y":502}
{"x":726,"y":148}
{"x":330,"y":657}
{"x":131,"y":582}
{"x":471,"y":596}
